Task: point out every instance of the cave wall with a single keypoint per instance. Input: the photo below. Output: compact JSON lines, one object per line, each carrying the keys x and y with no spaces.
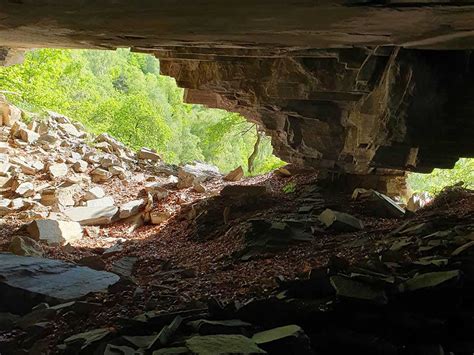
{"x":349,"y":86}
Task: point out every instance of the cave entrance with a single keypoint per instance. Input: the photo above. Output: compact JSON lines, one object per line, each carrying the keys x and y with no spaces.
{"x":123,"y":94}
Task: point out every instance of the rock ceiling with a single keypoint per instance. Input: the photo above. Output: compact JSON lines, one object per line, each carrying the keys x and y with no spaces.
{"x":353,"y":86}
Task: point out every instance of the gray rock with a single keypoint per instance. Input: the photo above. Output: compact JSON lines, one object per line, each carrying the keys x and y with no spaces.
{"x":92,"y":215}
{"x":25,"y":246}
{"x":131,"y":208}
{"x":58,"y":170}
{"x":80,"y":166}
{"x":84,"y":341}
{"x":351,"y":289}
{"x":94,"y":193}
{"x":27,"y":281}
{"x":384,"y":206}
{"x":430,"y":280}
{"x":340,"y":221}
{"x":101,"y":202}
{"x":55,"y":232}
{"x":220,"y":344}
{"x":174,"y":350}
{"x":289,"y":339}
{"x":124,"y":266}
{"x":146,"y":153}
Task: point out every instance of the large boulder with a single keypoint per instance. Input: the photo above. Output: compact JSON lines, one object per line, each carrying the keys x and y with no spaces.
{"x":92,"y":215}
{"x":146,"y":153}
{"x":55,"y":232}
{"x":28,"y":281}
{"x":235,"y":175}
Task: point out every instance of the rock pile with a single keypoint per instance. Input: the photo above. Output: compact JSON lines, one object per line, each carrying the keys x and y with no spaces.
{"x":51,"y":177}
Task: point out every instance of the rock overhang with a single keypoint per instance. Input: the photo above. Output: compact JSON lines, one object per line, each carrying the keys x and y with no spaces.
{"x":348,"y":86}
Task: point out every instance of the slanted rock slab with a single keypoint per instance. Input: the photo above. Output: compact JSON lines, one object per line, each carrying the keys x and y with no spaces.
{"x":28,"y":281}
{"x":340,"y":221}
{"x":289,"y":339}
{"x":92,"y":215}
{"x":55,"y":232}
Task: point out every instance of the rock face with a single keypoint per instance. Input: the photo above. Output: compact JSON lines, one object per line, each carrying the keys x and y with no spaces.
{"x":343,"y":85}
{"x":53,"y":282}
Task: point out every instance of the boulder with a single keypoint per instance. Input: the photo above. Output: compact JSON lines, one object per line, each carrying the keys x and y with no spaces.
{"x":147,"y":153}
{"x":25,"y":246}
{"x":55,"y":232}
{"x":80,"y":166}
{"x":220,"y":344}
{"x":94,"y":193}
{"x":101,"y":202}
{"x":71,"y":130}
{"x":99,"y":175}
{"x":57,"y":170}
{"x":27,"y":281}
{"x":92,"y":215}
{"x":340,"y":221}
{"x":28,"y":135}
{"x":131,"y":208}
{"x":235,"y":175}
{"x":430,"y":280}
{"x":25,"y":189}
{"x":158,"y":217}
{"x":4,"y":147}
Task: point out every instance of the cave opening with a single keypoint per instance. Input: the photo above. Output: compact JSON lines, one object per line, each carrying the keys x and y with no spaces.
{"x":121,"y":243}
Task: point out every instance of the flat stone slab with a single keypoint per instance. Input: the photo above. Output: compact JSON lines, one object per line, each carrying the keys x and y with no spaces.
{"x":92,"y":215}
{"x":27,"y":281}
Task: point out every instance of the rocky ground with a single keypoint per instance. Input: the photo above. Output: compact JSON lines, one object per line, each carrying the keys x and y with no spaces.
{"x":111,"y":252}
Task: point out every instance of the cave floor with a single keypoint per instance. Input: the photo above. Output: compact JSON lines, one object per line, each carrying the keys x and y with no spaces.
{"x":186,"y":261}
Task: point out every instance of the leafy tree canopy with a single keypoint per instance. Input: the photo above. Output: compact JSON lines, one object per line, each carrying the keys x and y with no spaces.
{"x":122,"y":93}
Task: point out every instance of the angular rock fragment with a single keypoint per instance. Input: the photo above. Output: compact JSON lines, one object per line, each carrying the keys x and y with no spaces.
{"x":340,"y":221}
{"x":220,"y":344}
{"x":289,"y":339}
{"x":28,"y":135}
{"x":158,"y":217}
{"x":71,"y":130}
{"x":27,"y":281}
{"x":131,"y":208}
{"x":146,"y":153}
{"x":92,"y":215}
{"x":25,"y":246}
{"x":94,"y":193}
{"x":55,"y":232}
{"x":58,"y":170}
{"x":25,"y":189}
{"x":430,"y":280}
{"x":101,"y":202}
{"x":80,"y":166}
{"x":235,"y":175}
{"x":84,"y":342}
{"x":351,"y":289}
{"x":124,"y":266}
{"x":99,"y":175}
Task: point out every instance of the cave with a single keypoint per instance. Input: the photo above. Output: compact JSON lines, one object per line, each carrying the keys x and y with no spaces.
{"x":361,"y":92}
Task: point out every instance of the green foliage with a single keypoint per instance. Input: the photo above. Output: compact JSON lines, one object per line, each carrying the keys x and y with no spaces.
{"x":122,"y":93}
{"x":440,"y":178}
{"x":289,"y":188}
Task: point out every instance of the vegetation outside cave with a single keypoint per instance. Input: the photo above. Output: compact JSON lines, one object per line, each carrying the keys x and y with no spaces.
{"x":123,"y":94}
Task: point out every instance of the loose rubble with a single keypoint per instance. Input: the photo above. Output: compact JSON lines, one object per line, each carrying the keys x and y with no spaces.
{"x":111,"y":252}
